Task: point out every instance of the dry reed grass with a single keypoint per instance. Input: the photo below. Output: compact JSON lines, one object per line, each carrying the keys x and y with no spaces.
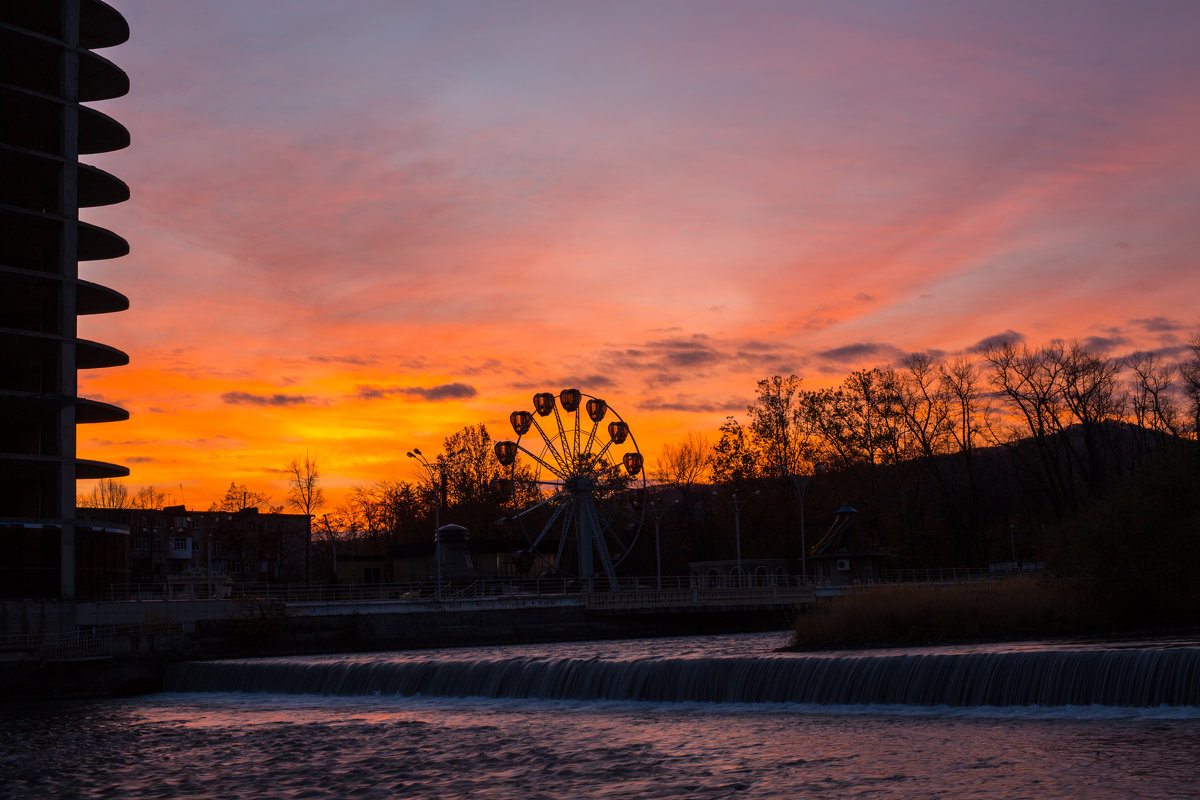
{"x":1013,"y":608}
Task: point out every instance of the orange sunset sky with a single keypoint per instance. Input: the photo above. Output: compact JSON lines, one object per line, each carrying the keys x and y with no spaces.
{"x":357,"y":227}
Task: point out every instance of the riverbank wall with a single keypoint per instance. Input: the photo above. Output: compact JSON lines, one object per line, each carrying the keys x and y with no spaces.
{"x":134,"y":661}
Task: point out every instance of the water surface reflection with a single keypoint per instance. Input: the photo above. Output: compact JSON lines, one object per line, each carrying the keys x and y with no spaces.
{"x":199,"y":745}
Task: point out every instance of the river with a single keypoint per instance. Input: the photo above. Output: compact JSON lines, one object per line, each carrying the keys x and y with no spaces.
{"x":664,"y":718}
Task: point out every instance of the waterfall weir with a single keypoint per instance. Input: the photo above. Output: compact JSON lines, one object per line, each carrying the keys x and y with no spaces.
{"x":1143,"y":677}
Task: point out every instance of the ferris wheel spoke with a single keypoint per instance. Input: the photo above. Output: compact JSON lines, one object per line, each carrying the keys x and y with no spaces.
{"x":620,"y":545}
{"x":591,"y":438}
{"x":577,"y":420}
{"x":558,"y":510}
{"x":561,"y":470}
{"x":560,"y":458}
{"x":604,"y":450}
{"x":602,"y":547}
{"x":564,"y":537}
{"x":562,"y":437}
{"x":536,"y":506}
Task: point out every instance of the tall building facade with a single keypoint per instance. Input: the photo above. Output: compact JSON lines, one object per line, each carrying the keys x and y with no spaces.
{"x":48,"y":72}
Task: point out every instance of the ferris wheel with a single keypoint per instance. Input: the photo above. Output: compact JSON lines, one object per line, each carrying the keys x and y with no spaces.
{"x":573,"y":495}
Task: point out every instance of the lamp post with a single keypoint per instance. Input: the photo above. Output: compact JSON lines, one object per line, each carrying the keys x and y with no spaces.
{"x":437,"y":475}
{"x":802,"y":483}
{"x":658,"y":550}
{"x":736,"y":505}
{"x":332,"y":544}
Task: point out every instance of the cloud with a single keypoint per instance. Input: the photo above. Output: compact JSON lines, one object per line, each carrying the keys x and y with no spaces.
{"x":860,"y":352}
{"x":492,"y":365}
{"x":358,"y":361}
{"x":1105,"y":343}
{"x":433,"y":394}
{"x":586,"y":382}
{"x":280,"y":400}
{"x":693,"y":352}
{"x":1157,"y":324}
{"x":996,"y":340}
{"x":447,"y":391}
{"x":686,"y":404}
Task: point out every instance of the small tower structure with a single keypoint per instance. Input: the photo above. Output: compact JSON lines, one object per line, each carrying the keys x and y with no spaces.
{"x":846,"y":555}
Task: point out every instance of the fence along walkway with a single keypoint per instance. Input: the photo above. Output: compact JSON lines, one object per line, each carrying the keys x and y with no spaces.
{"x":636,"y":594}
{"x":96,"y":642}
{"x":696,"y":598}
{"x":416,"y":590}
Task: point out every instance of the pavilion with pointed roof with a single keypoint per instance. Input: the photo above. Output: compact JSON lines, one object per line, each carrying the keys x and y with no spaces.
{"x":846,"y":555}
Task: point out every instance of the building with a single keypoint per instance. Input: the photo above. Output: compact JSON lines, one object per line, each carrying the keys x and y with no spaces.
{"x":48,"y":72}
{"x":463,"y":560}
{"x":749,"y":572}
{"x":846,"y":555}
{"x":186,"y":549}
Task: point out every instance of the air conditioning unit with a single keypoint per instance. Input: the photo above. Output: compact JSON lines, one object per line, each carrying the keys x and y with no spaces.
{"x":844,"y":564}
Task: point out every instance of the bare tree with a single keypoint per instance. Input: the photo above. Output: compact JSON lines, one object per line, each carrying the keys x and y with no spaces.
{"x":967,"y":413}
{"x":1090,"y":391}
{"x":924,"y":406}
{"x":238,"y":497}
{"x":306,"y":496}
{"x":857,"y":423}
{"x":778,"y":424}
{"x":467,"y":465}
{"x":735,"y":456}
{"x":1032,"y":385}
{"x":1189,"y":372}
{"x":107,"y":493}
{"x":685,"y":464}
{"x":967,"y":423}
{"x":149,"y":498}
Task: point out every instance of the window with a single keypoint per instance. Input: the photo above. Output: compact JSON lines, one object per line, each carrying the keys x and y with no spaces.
{"x":180,"y":543}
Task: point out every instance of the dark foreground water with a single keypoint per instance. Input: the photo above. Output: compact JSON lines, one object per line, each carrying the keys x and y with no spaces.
{"x":294,"y":743}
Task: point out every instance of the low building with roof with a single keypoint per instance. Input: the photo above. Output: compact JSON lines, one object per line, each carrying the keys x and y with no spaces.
{"x":846,"y":555}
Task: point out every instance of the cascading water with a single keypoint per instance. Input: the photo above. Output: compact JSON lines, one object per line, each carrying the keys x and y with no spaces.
{"x":1143,"y":677}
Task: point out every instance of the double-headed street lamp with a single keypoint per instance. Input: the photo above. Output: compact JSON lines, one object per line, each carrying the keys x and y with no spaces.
{"x":736,"y":505}
{"x":802,"y":484}
{"x":437,"y":475}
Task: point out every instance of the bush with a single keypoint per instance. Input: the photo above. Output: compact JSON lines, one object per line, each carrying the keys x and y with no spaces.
{"x":1138,"y":550}
{"x":911,"y":614}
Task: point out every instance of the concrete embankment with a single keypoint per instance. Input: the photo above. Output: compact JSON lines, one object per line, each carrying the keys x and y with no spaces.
{"x":338,"y":632}
{"x":134,"y":662}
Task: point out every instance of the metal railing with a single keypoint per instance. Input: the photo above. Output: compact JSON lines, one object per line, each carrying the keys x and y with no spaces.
{"x":94,"y":642}
{"x":937,"y":575}
{"x":417,"y":590}
{"x":696,"y":597}
{"x":500,"y":587}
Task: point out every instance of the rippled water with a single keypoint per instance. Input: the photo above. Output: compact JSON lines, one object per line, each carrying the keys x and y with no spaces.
{"x":197,"y":745}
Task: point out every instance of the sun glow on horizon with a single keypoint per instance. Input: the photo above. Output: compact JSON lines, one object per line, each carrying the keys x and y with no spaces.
{"x":358,"y":233}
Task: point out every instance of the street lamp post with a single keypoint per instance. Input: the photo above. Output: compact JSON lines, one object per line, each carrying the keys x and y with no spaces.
{"x":736,"y":505}
{"x":658,"y":550}
{"x":332,"y":543}
{"x":802,"y":482}
{"x":437,"y":475}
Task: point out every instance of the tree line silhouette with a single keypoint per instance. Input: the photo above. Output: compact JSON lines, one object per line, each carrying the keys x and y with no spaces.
{"x":950,"y":461}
